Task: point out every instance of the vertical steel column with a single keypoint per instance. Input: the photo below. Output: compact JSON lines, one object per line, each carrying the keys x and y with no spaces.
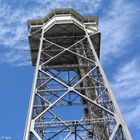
{"x":92,"y":94}
{"x":32,"y":98}
{"x":118,"y":115}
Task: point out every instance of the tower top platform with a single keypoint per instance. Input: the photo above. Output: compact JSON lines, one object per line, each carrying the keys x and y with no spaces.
{"x":63,"y":27}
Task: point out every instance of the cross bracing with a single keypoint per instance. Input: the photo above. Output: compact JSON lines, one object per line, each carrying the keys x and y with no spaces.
{"x":71,"y":98}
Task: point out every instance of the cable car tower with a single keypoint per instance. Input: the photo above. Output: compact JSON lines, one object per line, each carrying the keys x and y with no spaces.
{"x":71,"y":98}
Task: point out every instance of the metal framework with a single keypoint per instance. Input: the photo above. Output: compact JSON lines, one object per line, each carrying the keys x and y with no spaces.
{"x":71,"y":98}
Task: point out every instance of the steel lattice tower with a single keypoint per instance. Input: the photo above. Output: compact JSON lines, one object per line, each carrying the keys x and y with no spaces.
{"x":71,"y":98}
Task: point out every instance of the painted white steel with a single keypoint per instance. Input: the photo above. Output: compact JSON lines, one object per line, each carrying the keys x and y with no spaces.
{"x":30,"y":110}
{"x":118,"y":115}
{"x":89,"y":29}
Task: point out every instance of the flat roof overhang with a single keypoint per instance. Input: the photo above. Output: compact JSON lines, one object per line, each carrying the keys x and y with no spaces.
{"x":76,"y":19}
{"x":62,"y":11}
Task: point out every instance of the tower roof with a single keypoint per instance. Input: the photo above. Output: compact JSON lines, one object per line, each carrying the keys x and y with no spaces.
{"x":64,"y":11}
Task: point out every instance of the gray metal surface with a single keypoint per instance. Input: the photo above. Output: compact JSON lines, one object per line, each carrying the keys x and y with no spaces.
{"x":71,"y":98}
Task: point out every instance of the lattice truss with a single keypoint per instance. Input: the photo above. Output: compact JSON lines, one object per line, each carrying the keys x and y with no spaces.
{"x":72,"y":99}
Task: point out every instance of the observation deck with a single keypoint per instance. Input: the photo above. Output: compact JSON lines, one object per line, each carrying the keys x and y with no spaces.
{"x":63,"y":27}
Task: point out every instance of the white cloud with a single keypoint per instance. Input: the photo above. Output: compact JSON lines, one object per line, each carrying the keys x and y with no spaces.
{"x":14,"y":58}
{"x":85,"y":6}
{"x":132,"y":114}
{"x":126,"y":83}
{"x":116,"y":24}
{"x":13,"y":23}
{"x":117,"y":27}
{"x":127,"y":80}
{"x":12,"y":31}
